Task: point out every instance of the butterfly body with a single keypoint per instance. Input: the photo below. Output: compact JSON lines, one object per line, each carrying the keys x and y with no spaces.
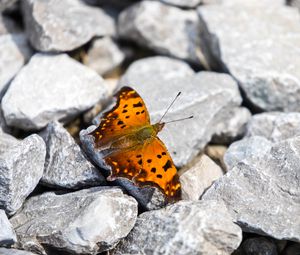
{"x":131,"y":148}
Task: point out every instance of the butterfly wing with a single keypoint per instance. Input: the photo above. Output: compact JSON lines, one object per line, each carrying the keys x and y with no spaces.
{"x":129,"y":113}
{"x":159,"y":170}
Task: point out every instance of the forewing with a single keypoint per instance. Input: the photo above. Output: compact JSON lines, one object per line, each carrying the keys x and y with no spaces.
{"x":128,"y":114}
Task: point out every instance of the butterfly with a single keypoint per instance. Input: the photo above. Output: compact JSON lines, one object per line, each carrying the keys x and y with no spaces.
{"x":130,"y":146}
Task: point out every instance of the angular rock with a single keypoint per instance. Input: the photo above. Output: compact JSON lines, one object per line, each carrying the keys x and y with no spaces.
{"x":199,"y":177}
{"x":90,"y":221}
{"x":275,"y":126}
{"x":14,"y":52}
{"x":258,"y":246}
{"x":7,"y":234}
{"x":51,"y":87}
{"x":183,"y":3}
{"x":232,"y":128}
{"x":216,"y":153}
{"x":149,"y":197}
{"x":216,"y":93}
{"x":21,"y":168}
{"x":104,"y":55}
{"x":3,"y":126}
{"x":255,"y":147}
{"x":187,"y":227}
{"x":66,"y":166}
{"x":5,"y":251}
{"x":256,"y":53}
{"x":262,"y":192}
{"x":64,"y":27}
{"x":152,"y":24}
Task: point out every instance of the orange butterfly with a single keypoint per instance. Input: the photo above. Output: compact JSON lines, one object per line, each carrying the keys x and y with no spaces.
{"x":131,"y":148}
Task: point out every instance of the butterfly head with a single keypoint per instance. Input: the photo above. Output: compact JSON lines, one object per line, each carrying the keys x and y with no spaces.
{"x":158,"y":126}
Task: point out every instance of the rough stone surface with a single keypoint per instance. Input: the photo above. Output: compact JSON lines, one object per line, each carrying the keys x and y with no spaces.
{"x":151,"y":24}
{"x":5,"y":251}
{"x":104,"y":55}
{"x":255,"y":147}
{"x":216,"y":93}
{"x":7,"y":234}
{"x":275,"y":126}
{"x":183,"y":3}
{"x":187,"y":227}
{"x":262,"y":192}
{"x":269,"y":79}
{"x":258,"y":3}
{"x":294,"y":3}
{"x":66,"y":166}
{"x":14,"y":52}
{"x":86,"y":221}
{"x":195,"y":180}
{"x":149,"y":197}
{"x":21,"y":168}
{"x":51,"y":87}
{"x":3,"y":125}
{"x":64,"y":26}
{"x":232,"y":128}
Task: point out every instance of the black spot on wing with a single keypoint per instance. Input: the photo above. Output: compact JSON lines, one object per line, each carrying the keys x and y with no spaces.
{"x":139,"y":104}
{"x":167,"y":165}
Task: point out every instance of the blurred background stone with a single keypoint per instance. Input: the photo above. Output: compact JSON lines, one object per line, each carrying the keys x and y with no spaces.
{"x":83,"y":222}
{"x":64,"y":26}
{"x":187,"y":227}
{"x":21,"y":168}
{"x":5,"y":251}
{"x":183,"y":3}
{"x":151,"y":25}
{"x":257,"y":246}
{"x":66,"y":166}
{"x":47,"y":89}
{"x":14,"y":51}
{"x":269,"y":79}
{"x":104,"y":56}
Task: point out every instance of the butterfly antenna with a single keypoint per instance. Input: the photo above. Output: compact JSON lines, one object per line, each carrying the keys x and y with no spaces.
{"x":169,"y":107}
{"x":190,"y":117}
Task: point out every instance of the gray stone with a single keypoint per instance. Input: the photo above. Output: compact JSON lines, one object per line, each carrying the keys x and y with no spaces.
{"x":51,"y":87}
{"x":104,"y":56}
{"x":275,"y":126}
{"x":7,"y":234}
{"x":5,"y":251}
{"x":255,"y":147}
{"x":3,"y":125}
{"x":148,"y":197}
{"x":83,"y":222}
{"x":21,"y":168}
{"x":294,"y":3}
{"x":66,"y":166}
{"x":6,"y":5}
{"x":64,"y":26}
{"x":187,"y":227}
{"x":197,"y":178}
{"x":262,"y":192}
{"x":14,"y":52}
{"x":217,"y":93}
{"x":183,"y":3}
{"x":256,"y":51}
{"x":166,"y":30}
{"x":232,"y":128}
{"x":258,"y":246}
{"x":8,"y":25}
